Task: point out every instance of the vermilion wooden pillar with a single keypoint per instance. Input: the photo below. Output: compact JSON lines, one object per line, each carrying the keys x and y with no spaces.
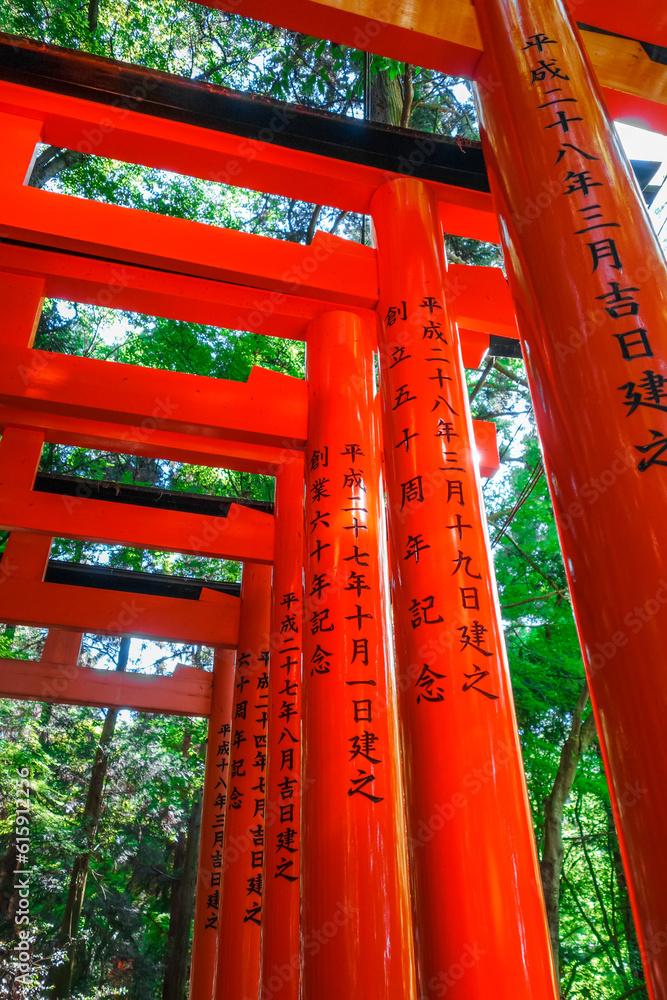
{"x":20,"y":138}
{"x":237,"y":976}
{"x":62,"y":646}
{"x":26,"y":557}
{"x":22,"y":299}
{"x":356,"y":938}
{"x":590,"y":287}
{"x":20,"y":454}
{"x":209,"y":872}
{"x":282,"y":857}
{"x":479,"y":917}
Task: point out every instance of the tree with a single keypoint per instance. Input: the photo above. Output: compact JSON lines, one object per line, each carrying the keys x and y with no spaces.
{"x":182,"y":904}
{"x":581,"y":735}
{"x":68,"y":938}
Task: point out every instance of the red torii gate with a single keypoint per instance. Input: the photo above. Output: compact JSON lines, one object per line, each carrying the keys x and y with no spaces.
{"x":477,"y":925}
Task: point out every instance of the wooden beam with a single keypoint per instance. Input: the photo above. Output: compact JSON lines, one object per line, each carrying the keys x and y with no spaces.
{"x":244,"y":534}
{"x":261,"y":164}
{"x":486,"y":444}
{"x":20,"y":454}
{"x":442,"y":36}
{"x":332,"y":269}
{"x":238,"y":533}
{"x":345,"y":275}
{"x":61,"y":646}
{"x":644,"y":19}
{"x":186,"y":692}
{"x":191,"y":449}
{"x":25,"y":557}
{"x":270,"y":409}
{"x":150,"y":441}
{"x":159,"y":293}
{"x":22,"y":299}
{"x":212,"y":620}
{"x":479,"y":299}
{"x":478,"y":296}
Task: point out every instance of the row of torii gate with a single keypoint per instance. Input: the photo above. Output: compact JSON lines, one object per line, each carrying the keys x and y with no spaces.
{"x":333,"y":863}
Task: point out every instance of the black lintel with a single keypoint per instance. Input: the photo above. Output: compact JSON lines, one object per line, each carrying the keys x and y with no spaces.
{"x":134,"y":582}
{"x":143,"y":496}
{"x":504,"y":347}
{"x":124,"y":85}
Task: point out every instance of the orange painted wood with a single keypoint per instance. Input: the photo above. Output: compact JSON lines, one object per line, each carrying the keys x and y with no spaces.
{"x":155,"y":443}
{"x":478,"y":297}
{"x":126,"y":134}
{"x":332,"y":269}
{"x":158,"y":293}
{"x":474,"y":345}
{"x":244,"y":534}
{"x":25,"y":557}
{"x":269,"y":409}
{"x":647,"y":114}
{"x":643,"y":19}
{"x":22,"y":297}
{"x":407,"y":31}
{"x":242,"y":856}
{"x":20,"y":453}
{"x":279,"y":962}
{"x":186,"y":692}
{"x":62,"y":646}
{"x":457,"y":712}
{"x":20,"y":138}
{"x":486,"y":444}
{"x":468,"y":216}
{"x":592,"y":320}
{"x":149,"y":440}
{"x":206,"y":926}
{"x":213,"y":620}
{"x":354,"y":863}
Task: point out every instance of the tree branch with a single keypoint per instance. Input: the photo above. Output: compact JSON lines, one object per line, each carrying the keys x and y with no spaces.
{"x":339,"y":219}
{"x":591,"y":924}
{"x":598,"y":893}
{"x":485,"y":374}
{"x":312,"y":225}
{"x":408,"y":96}
{"x":51,"y":162}
{"x":93,"y":14}
{"x":529,"y":600}
{"x":588,"y":732}
{"x":629,"y":993}
{"x":530,"y":560}
{"x":510,"y":374}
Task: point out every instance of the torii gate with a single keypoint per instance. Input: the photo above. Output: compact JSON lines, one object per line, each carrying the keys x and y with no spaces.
{"x":324,"y":884}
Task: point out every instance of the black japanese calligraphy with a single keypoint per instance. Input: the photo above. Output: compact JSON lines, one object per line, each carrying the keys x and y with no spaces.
{"x":427,"y":684}
{"x":423,"y":613}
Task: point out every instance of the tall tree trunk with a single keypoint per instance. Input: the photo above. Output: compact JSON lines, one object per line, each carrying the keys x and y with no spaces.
{"x":62,"y":975}
{"x":579,"y":738}
{"x":50,"y":162}
{"x":182,"y":908}
{"x":44,"y":721}
{"x":10,"y":863}
{"x":391,"y":99}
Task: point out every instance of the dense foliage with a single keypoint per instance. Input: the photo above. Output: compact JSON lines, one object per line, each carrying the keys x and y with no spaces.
{"x":154,"y":764}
